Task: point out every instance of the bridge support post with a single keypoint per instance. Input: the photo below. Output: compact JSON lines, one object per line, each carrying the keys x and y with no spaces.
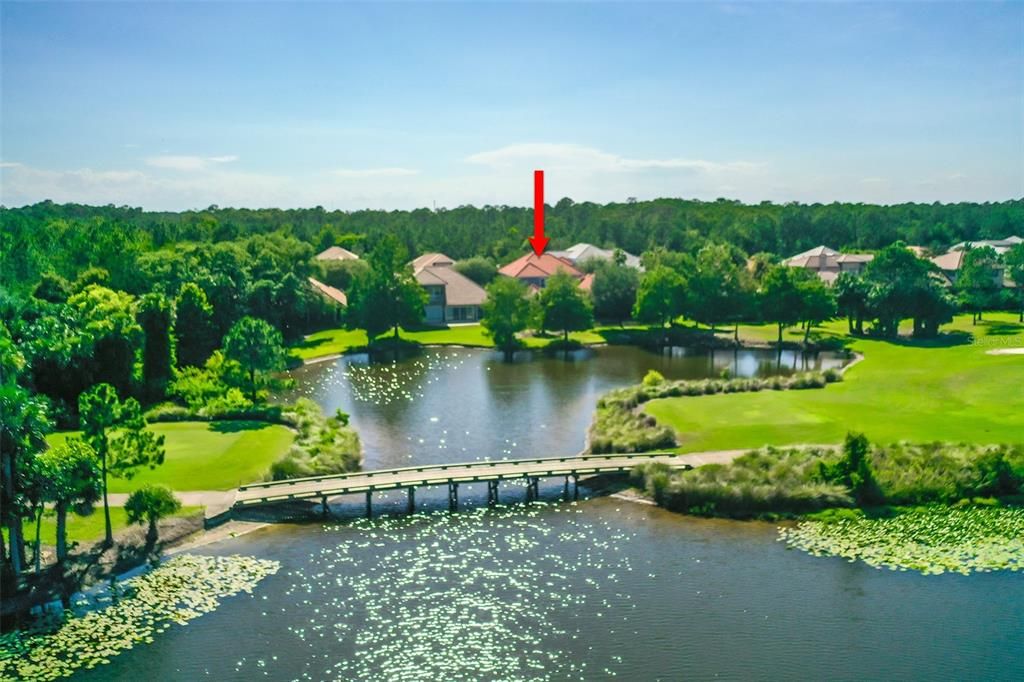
{"x":532,"y":488}
{"x":369,"y":504}
{"x":575,"y":486}
{"x":492,"y":493}
{"x":323,"y":506}
{"x":412,"y":500}
{"x":565,"y":490}
{"x":453,"y":497}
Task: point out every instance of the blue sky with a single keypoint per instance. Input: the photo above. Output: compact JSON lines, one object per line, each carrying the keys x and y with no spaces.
{"x":344,"y":105}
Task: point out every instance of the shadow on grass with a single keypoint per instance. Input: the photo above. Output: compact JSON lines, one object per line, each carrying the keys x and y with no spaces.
{"x":943,"y":340}
{"x":236,"y":426}
{"x":1001,"y":328}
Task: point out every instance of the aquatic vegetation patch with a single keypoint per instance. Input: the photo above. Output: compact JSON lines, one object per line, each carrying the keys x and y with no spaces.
{"x":487,"y":594}
{"x":180,"y":590}
{"x":931,"y":540}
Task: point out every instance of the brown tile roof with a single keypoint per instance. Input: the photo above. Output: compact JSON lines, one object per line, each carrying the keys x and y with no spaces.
{"x":434,"y":269}
{"x":801,"y":260}
{"x":587,"y":283}
{"x":430,"y":260}
{"x":532,"y":265}
{"x":426,"y":277}
{"x":336,"y":295}
{"x":949,"y":261}
{"x":336,"y":253}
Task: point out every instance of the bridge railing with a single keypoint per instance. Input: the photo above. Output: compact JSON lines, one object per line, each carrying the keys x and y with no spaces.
{"x":451,"y":465}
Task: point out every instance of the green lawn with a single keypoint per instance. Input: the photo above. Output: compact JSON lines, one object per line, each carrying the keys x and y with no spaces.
{"x":336,"y":341}
{"x":208,"y":455}
{"x":944,"y":390}
{"x":83,"y":528}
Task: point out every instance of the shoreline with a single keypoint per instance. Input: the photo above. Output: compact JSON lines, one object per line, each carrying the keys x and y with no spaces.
{"x":752,"y":345}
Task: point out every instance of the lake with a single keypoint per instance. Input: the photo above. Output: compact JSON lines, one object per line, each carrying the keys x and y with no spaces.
{"x":460,"y":405}
{"x":593,"y":590}
{"x":596,"y":590}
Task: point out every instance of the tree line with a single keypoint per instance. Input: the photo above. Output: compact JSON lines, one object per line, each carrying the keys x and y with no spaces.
{"x":67,"y":238}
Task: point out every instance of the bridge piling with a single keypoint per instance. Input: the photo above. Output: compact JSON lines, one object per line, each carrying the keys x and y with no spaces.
{"x":453,"y":496}
{"x":369,"y":504}
{"x":565,"y":490}
{"x":412,"y":500}
{"x":532,"y":488}
{"x":492,"y":493}
{"x":323,"y":506}
{"x":575,"y":486}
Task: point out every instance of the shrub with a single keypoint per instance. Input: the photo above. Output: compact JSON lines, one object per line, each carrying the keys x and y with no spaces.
{"x":168,"y":412}
{"x":653,"y":378}
{"x":323,"y":445}
{"x":760,"y":482}
{"x":802,"y":481}
{"x":832,"y":375}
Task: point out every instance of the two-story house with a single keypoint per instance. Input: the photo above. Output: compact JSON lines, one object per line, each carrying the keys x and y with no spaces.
{"x":451,"y":297}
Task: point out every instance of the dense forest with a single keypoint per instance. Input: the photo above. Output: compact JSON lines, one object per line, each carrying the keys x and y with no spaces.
{"x":66,"y":239}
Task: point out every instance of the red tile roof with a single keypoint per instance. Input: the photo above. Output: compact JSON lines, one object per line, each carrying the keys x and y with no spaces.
{"x":532,"y":265}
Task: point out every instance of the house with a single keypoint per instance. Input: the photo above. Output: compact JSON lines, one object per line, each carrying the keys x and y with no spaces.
{"x":534,"y":270}
{"x":829,"y":263}
{"x":579,"y":253}
{"x":451,"y":297}
{"x":949,"y":265}
{"x":336,"y":253}
{"x":1000,"y":246}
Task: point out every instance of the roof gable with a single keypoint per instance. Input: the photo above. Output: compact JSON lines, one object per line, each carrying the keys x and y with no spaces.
{"x":336,"y":253}
{"x":546,"y":265}
{"x":431,"y":260}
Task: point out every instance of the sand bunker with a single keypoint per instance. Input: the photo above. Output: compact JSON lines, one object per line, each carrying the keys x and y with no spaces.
{"x":1006,"y":351}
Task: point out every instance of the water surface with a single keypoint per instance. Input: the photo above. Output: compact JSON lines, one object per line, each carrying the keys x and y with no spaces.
{"x":457,"y":405}
{"x":595,"y":590}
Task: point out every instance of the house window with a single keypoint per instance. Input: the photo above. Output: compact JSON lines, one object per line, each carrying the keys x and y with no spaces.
{"x":436,"y":295}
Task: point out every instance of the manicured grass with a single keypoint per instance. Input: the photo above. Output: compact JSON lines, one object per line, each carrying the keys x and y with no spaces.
{"x":337,"y":341}
{"x":209,"y":455}
{"x":947,"y":389}
{"x":83,"y":528}
{"x":329,"y":342}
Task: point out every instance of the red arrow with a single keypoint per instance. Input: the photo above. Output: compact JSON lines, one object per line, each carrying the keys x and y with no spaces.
{"x":538,"y":241}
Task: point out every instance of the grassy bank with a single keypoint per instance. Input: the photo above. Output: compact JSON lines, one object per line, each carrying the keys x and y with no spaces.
{"x":337,"y":341}
{"x":216,"y":455}
{"x":84,"y":529}
{"x":948,"y":389}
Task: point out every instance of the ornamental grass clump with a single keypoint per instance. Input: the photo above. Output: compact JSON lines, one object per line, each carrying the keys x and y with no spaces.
{"x":323,"y":445}
{"x":761,"y":482}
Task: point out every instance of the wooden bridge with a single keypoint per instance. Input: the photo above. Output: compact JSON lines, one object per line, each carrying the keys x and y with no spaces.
{"x":410,"y":478}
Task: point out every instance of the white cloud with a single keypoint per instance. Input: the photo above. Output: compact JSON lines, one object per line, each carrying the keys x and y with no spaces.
{"x":497,"y":177}
{"x":187,"y":163}
{"x":373,"y":172}
{"x":574,"y":157}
